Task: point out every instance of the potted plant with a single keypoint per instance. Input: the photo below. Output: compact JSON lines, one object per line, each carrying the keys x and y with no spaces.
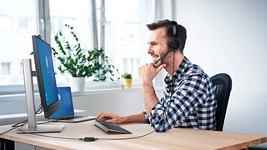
{"x":127,"y":78}
{"x":80,"y":62}
{"x":107,"y":72}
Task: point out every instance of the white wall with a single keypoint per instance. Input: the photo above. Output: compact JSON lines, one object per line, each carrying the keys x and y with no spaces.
{"x":121,"y":102}
{"x":230,"y":36}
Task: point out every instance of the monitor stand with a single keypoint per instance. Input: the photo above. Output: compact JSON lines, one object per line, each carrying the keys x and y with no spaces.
{"x":32,"y":127}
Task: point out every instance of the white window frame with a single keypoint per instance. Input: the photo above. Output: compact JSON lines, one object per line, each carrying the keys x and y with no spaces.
{"x":44,"y":30}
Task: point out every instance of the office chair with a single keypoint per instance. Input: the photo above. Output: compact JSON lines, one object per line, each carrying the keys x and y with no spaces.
{"x":222,"y":85}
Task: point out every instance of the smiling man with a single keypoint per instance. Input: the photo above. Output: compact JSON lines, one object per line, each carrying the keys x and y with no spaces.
{"x":188,"y":100}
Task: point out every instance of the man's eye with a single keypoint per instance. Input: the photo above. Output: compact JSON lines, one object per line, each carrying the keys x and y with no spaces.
{"x":152,"y":43}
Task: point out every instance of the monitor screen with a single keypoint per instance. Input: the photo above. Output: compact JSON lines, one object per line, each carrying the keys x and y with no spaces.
{"x":66,"y":104}
{"x":45,"y":76}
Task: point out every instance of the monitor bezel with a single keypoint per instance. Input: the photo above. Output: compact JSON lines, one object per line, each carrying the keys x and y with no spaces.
{"x":48,"y":110}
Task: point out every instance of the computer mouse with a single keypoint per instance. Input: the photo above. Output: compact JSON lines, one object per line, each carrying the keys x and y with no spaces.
{"x":104,"y":119}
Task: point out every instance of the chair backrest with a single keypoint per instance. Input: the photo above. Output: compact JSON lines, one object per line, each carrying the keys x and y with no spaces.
{"x":222,"y":84}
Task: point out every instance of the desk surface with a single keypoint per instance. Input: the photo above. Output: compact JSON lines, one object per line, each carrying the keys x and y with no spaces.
{"x":176,"y":138}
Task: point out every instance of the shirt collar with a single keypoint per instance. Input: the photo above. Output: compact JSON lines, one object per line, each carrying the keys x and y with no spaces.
{"x":179,"y":72}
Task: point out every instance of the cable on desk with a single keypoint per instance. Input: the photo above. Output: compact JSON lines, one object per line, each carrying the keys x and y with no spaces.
{"x":19,"y":124}
{"x":56,"y":137}
{"x":22,"y":123}
{"x":8,"y":130}
{"x":92,"y":139}
{"x":127,"y":138}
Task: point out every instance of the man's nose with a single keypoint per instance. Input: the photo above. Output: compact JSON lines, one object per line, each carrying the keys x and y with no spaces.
{"x":150,"y":50}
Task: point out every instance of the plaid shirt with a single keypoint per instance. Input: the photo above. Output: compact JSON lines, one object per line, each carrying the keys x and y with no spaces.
{"x":188,"y":101}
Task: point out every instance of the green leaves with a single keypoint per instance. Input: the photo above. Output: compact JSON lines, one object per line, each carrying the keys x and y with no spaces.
{"x":80,"y":62}
{"x":127,"y":75}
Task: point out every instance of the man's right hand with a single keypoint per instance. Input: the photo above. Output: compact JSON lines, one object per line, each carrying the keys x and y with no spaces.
{"x":114,"y":118}
{"x":148,"y":72}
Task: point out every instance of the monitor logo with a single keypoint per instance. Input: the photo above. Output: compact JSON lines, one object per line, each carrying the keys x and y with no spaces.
{"x":47,"y":66}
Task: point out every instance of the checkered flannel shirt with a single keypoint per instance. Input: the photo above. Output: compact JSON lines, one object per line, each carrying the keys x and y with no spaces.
{"x":188,"y":101}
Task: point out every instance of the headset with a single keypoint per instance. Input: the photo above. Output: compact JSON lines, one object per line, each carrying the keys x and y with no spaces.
{"x":173,"y":43}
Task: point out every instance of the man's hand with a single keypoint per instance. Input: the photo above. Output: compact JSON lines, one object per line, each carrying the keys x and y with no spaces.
{"x":147,"y":72}
{"x":135,"y":118}
{"x":113,"y":118}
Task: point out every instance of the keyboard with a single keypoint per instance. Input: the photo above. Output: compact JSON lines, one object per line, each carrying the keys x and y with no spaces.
{"x":111,"y":128}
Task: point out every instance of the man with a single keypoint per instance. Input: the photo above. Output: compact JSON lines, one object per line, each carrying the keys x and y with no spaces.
{"x":188,"y":99}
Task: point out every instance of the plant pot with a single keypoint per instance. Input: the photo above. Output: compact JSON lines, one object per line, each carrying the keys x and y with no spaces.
{"x":77,"y":84}
{"x":128,"y":82}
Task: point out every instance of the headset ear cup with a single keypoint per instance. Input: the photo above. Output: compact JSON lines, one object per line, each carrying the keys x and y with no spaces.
{"x":173,"y":44}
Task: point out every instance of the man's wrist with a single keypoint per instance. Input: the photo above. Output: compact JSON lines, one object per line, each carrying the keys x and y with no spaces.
{"x":147,"y":83}
{"x":146,"y":117}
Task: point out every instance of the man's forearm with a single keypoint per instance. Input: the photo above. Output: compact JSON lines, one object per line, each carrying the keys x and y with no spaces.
{"x":136,"y":118}
{"x":150,"y":97}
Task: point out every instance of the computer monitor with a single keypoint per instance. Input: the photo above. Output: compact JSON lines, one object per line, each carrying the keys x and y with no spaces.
{"x":46,"y":85}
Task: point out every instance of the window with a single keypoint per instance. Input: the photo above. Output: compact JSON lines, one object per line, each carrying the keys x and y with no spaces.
{"x":72,"y":12}
{"x":5,"y":68}
{"x":123,"y":38}
{"x":124,"y":43}
{"x":23,"y":24}
{"x":124,"y":21}
{"x":6,"y":23}
{"x":75,"y":13}
{"x":15,"y":45}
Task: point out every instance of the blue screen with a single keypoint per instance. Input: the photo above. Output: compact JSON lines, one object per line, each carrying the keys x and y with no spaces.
{"x":47,"y":71}
{"x":66,"y":105}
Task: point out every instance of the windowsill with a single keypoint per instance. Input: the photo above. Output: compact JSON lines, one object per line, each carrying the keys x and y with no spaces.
{"x":105,"y":91}
{"x":16,"y":97}
{"x":19,"y":90}
{"x":90,"y":89}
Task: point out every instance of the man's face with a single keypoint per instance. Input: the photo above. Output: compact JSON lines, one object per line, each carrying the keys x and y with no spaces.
{"x":157,"y":43}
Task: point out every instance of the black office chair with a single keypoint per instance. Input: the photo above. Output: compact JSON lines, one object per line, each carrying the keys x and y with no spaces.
{"x":222,"y":84}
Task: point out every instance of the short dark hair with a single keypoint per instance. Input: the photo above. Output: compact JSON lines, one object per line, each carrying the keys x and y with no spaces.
{"x":181,"y":31}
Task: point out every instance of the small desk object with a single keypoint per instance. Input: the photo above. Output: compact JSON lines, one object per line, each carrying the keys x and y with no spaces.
{"x":177,"y":138}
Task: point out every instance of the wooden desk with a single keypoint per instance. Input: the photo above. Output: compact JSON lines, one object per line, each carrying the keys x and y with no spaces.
{"x":177,"y":138}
